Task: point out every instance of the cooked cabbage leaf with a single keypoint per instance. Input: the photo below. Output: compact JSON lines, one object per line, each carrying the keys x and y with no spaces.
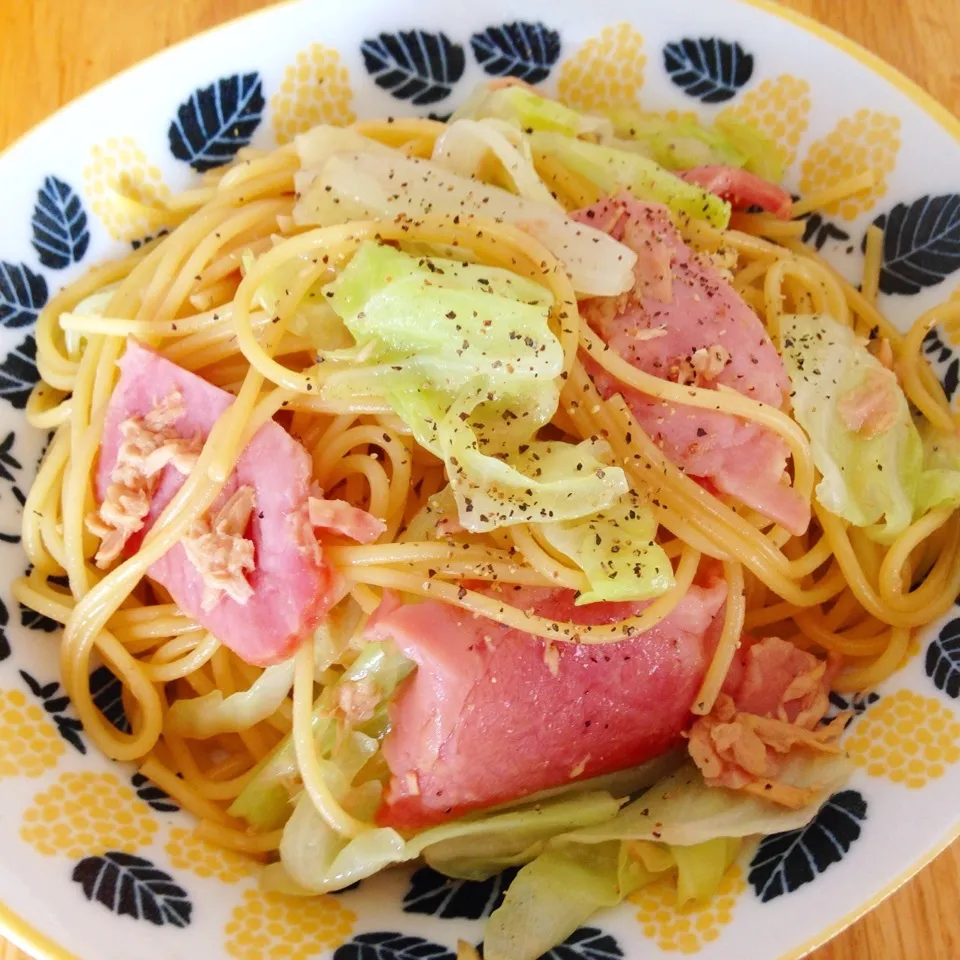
{"x":679,"y":824}
{"x":939,"y":484}
{"x":465,"y":145}
{"x":361,"y":185}
{"x":684,"y":142}
{"x":616,"y":549}
{"x":318,"y":859}
{"x":530,"y":111}
{"x":465,"y":355}
{"x":265,"y":802}
{"x":555,"y":894}
{"x":613,"y":169}
{"x":869,"y":474}
{"x":211,"y":714}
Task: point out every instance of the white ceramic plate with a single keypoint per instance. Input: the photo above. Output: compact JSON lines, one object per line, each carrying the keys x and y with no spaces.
{"x":96,"y":863}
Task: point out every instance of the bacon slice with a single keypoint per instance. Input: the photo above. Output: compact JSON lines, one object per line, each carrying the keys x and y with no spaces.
{"x":772,"y":705}
{"x":703,"y":322}
{"x":291,"y":586}
{"x":493,"y":714}
{"x":741,"y":189}
{"x":340,"y":517}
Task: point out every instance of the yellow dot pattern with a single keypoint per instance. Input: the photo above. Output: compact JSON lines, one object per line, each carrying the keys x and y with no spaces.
{"x":780,"y":109}
{"x":865,"y":141}
{"x":126,"y":191}
{"x":187,"y":851}
{"x":688,"y":928}
{"x":674,"y":116}
{"x":606,"y":72}
{"x":85,"y":814}
{"x":31,"y":744}
{"x":315,"y":89}
{"x":270,"y":926}
{"x":906,"y":737}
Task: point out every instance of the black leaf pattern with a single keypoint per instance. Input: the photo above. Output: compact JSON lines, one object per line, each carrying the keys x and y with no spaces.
{"x":941,"y":353}
{"x":414,"y":65}
{"x":432,"y":893}
{"x":786,"y":861}
{"x":70,"y":729}
{"x":107,"y":693}
{"x":23,"y":293}
{"x":4,"y":642}
{"x":708,"y":68}
{"x":587,"y":943}
{"x":214,"y":122}
{"x":388,"y":945}
{"x":856,"y":705}
{"x":942,"y":662}
{"x":935,"y":348}
{"x":524,"y":50}
{"x":951,"y":377}
{"x":152,"y":795}
{"x":133,"y":887}
{"x":57,"y":703}
{"x":921,"y":243}
{"x":30,"y":618}
{"x":60,"y":233}
{"x":8,"y":462}
{"x":37,"y":621}
{"x":18,"y":373}
{"x":818,"y":230}
{"x":347,"y":889}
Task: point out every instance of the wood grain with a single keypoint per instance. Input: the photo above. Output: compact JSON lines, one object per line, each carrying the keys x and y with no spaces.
{"x":50,"y":53}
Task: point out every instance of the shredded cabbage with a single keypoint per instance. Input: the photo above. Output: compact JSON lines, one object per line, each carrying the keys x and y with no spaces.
{"x":364,"y":184}
{"x":465,"y":356}
{"x":613,"y":169}
{"x":212,"y":714}
{"x":869,"y":479}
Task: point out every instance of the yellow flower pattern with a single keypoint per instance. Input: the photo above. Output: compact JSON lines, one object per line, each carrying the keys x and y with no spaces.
{"x":31,"y":745}
{"x":315,"y":89}
{"x":187,"y":851}
{"x":909,"y":738}
{"x":87,"y":813}
{"x":270,"y":926}
{"x":688,"y":928}
{"x":126,"y":191}
{"x":607,"y":71}
{"x":779,"y":108}
{"x":867,"y":140}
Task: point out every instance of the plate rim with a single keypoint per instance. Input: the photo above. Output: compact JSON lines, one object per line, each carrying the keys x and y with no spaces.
{"x":40,"y":945}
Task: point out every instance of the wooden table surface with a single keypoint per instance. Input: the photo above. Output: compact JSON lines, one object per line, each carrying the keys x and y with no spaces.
{"x":51,"y":53}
